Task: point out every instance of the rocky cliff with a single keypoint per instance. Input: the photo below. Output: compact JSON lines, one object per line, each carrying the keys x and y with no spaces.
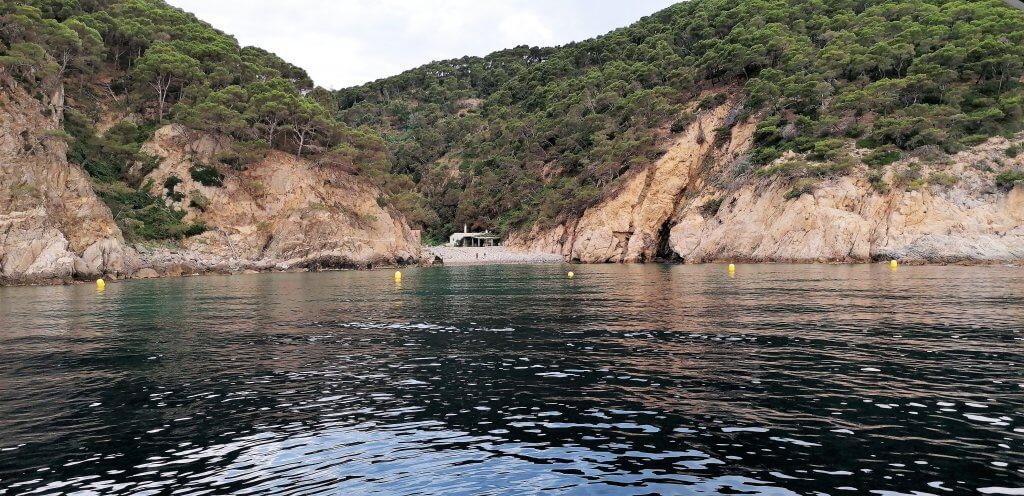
{"x":53,"y":228}
{"x":691,"y":206}
{"x":846,"y":220}
{"x":282,"y":213}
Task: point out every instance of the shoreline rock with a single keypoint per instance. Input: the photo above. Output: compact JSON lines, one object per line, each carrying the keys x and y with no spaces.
{"x":287,"y":214}
{"x":691,"y":205}
{"x":282,"y":213}
{"x":53,"y":226}
{"x":177,"y":271}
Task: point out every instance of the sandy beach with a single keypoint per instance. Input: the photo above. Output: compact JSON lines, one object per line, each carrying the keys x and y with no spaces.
{"x":490,"y":255}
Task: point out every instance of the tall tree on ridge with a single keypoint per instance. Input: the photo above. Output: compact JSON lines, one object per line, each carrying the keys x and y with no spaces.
{"x":164,"y":69}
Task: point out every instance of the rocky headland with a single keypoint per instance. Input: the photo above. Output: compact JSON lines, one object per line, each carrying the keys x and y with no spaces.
{"x":283,"y":213}
{"x":689,"y":207}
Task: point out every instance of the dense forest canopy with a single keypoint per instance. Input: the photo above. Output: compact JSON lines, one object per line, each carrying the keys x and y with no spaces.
{"x":145,"y":63}
{"x":524,"y":136}
{"x":535,"y":135}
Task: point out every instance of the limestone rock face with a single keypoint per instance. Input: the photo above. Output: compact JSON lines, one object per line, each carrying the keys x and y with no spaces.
{"x":662,"y":211}
{"x":846,"y":220}
{"x":628,"y":225}
{"x":53,"y":227}
{"x":280,"y":213}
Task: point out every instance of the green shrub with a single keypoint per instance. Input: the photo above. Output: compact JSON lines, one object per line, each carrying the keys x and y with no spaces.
{"x":680,"y":124}
{"x":244,"y":153}
{"x":789,"y":168}
{"x":712,"y":101}
{"x":197,"y":200}
{"x":110,"y":157}
{"x":195,"y":229}
{"x":1013,"y":151}
{"x":803,"y":144}
{"x":170,"y":183}
{"x":833,"y":168}
{"x":877,"y":180}
{"x":915,"y":184}
{"x":982,"y":166}
{"x":883,"y":156}
{"x":765,"y":155}
{"x":769,"y":130}
{"x":910,"y":177}
{"x":802,"y":168}
{"x":943,"y":179}
{"x":766,"y":134}
{"x":711,"y":207}
{"x":140,"y":215}
{"x":931,"y":154}
{"x":974,"y":140}
{"x":827,"y":149}
{"x":722,"y":136}
{"x":869,"y":143}
{"x":802,"y":187}
{"x":59,"y":134}
{"x":206,"y":175}
{"x":855,"y":131}
{"x":102,"y":171}
{"x":1009,"y":179}
{"x":916,"y":126}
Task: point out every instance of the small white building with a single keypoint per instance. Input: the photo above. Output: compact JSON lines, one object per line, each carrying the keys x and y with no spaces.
{"x":467,"y":239}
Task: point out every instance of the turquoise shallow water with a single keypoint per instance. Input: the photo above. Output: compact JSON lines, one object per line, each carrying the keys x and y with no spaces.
{"x":651,"y":379}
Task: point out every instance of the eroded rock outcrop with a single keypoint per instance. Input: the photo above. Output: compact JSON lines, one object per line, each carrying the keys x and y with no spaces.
{"x":279,"y":213}
{"x":282,"y":213}
{"x":53,"y":227}
{"x":847,"y":220}
{"x":630,"y":225}
{"x":663,"y":211}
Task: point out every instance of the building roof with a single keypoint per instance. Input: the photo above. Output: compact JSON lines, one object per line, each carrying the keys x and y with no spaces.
{"x":483,"y":235}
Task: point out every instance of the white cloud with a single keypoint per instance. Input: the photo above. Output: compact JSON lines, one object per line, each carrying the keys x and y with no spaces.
{"x":348,"y":42}
{"x":526,"y":28}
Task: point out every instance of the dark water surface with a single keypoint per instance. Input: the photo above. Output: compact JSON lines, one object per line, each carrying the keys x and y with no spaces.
{"x":516,"y":380}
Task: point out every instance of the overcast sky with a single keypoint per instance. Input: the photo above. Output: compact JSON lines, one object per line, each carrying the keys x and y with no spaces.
{"x":348,"y":42}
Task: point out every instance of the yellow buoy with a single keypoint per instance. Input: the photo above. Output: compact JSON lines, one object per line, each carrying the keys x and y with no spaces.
{"x":398,"y":276}
{"x":101,"y":284}
{"x":571,"y":274}
{"x":732,"y":267}
{"x":893,"y":264}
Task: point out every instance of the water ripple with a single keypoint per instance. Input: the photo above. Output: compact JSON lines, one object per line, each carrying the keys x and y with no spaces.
{"x":516,"y":380}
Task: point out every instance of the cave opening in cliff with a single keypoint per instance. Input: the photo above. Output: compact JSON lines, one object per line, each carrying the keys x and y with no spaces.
{"x":665,"y":253}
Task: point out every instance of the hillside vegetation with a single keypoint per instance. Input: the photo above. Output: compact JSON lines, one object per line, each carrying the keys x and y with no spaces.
{"x":527,"y":137}
{"x":129,"y":66}
{"x":533,"y":136}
